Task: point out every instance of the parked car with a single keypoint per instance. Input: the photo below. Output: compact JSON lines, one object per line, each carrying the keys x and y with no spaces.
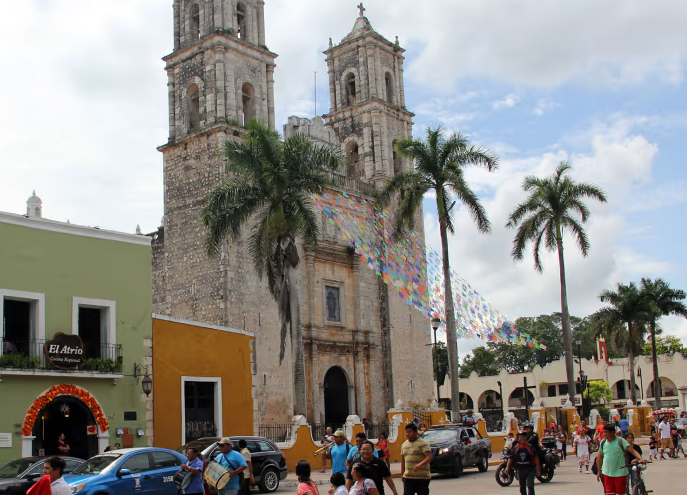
{"x":269,"y":464}
{"x":124,"y":471}
{"x":19,"y":475}
{"x":456,"y":447}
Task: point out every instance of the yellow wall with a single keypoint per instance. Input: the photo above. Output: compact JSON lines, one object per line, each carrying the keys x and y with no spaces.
{"x":181,"y":349}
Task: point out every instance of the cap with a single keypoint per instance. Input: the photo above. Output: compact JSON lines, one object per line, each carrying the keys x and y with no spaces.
{"x":339,"y":433}
{"x":225,"y":441}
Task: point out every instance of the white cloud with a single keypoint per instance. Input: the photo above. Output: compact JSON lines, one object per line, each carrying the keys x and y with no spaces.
{"x":508,"y":102}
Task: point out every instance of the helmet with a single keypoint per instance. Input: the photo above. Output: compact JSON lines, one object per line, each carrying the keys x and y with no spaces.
{"x":527,"y":425}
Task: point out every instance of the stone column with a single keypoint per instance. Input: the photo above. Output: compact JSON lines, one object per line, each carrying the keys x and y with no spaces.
{"x":270,"y":96}
{"x":363,"y":83}
{"x":332,"y":86}
{"x":371,"y":71}
{"x":261,"y":22}
{"x":377,"y":133}
{"x":230,"y":87}
{"x":177,"y":24}
{"x":220,"y":93}
{"x":217,"y":17}
{"x":337,"y":85}
{"x":172,"y":104}
{"x":401,"y":84}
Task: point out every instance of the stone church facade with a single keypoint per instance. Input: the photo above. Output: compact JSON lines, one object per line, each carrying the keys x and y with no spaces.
{"x":365,"y":348}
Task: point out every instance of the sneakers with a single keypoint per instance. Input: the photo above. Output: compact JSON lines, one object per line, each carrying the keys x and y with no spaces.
{"x":580,"y":469}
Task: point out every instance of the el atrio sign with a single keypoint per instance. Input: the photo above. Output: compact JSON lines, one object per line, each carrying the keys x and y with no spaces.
{"x":64,"y":351}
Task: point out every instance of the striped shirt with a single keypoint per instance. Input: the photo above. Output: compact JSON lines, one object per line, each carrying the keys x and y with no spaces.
{"x":413,"y":454}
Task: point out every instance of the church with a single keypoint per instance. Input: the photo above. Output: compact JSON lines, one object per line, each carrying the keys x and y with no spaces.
{"x":365,"y":348}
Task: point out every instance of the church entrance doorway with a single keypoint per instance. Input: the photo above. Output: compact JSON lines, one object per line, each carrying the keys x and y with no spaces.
{"x":335,"y":397}
{"x":69,"y":416}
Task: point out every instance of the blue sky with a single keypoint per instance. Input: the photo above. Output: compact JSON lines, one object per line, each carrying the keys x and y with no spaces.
{"x":598,"y":83}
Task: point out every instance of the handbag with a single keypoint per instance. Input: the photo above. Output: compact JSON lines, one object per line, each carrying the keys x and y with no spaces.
{"x":381,"y":453}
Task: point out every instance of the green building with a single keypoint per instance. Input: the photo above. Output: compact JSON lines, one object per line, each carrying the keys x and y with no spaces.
{"x":75,"y":348}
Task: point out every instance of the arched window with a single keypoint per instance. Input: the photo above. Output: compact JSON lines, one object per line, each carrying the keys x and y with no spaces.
{"x":350,"y":89}
{"x":241,"y":22}
{"x":389,"y":88}
{"x":195,"y":22}
{"x":354,"y":168}
{"x":193,"y":106}
{"x":248,"y":98}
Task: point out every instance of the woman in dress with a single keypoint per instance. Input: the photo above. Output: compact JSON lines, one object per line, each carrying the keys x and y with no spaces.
{"x":306,"y":486}
{"x":363,"y":483}
{"x":62,"y":445}
{"x":383,"y":445}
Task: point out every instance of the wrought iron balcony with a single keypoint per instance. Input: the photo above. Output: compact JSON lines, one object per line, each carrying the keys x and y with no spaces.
{"x":28,"y":355}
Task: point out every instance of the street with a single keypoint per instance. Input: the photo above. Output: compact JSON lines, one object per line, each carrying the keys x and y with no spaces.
{"x":661,"y":477}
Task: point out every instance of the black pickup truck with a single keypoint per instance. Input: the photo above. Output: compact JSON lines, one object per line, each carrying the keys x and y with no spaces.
{"x":455,"y":447}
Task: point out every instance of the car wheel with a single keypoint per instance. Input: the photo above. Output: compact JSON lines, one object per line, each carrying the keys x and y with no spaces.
{"x":457,"y":467}
{"x":269,"y":480}
{"x":483,"y":464}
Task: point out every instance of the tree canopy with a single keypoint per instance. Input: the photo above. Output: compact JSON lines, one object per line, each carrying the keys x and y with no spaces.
{"x":597,"y":390}
{"x":665,"y":345}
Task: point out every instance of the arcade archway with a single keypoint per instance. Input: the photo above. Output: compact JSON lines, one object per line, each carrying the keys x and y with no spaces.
{"x":69,"y":416}
{"x":336,"y":406}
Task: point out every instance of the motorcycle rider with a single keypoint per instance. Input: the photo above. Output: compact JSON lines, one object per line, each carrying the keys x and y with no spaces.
{"x":526,"y":460}
{"x":532,"y":437}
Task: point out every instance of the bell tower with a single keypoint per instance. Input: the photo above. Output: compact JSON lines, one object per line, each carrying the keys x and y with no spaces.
{"x":367,"y":101}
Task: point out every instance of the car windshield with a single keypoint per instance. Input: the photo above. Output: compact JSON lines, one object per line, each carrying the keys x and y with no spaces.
{"x":200,"y":444}
{"x":437,"y":435}
{"x":98,"y":464}
{"x":12,"y":469}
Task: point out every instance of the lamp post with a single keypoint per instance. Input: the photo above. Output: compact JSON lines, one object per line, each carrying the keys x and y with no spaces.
{"x":578,"y":342}
{"x":436,"y":323}
{"x":146,"y":381}
{"x":501,"y":397}
{"x":641,"y":381}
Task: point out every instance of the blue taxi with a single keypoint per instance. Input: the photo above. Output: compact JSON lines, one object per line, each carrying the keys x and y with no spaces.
{"x":125,"y":471}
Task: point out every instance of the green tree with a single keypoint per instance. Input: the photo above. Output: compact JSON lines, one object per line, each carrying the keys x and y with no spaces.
{"x":439,"y":166}
{"x":665,"y":345}
{"x":440,"y":361}
{"x":597,"y":390}
{"x":553,"y":204}
{"x":625,"y":310}
{"x":268,"y":191}
{"x":587,"y":331}
{"x":482,"y":361}
{"x":661,"y":301}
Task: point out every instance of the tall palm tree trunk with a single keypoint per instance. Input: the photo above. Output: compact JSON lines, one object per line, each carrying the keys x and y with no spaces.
{"x":565,"y":314}
{"x":300,"y":404}
{"x":451,"y":335}
{"x":654,"y":360}
{"x":631,"y":357}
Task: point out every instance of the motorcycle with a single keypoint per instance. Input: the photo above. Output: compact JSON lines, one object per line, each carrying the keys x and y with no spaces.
{"x":548,"y":460}
{"x":504,"y":476}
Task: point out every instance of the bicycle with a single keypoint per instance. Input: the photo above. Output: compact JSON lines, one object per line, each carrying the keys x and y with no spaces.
{"x":639,"y":488}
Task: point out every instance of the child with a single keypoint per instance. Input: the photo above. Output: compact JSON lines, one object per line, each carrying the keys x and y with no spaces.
{"x":338,"y":481}
{"x":653,"y":448}
{"x":509,"y":441}
{"x":581,"y":445}
{"x":678,"y":445}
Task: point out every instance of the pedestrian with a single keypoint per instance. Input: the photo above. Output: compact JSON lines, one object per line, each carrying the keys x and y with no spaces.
{"x":306,"y":486}
{"x":632,"y":477}
{"x":599,"y":435}
{"x":415,"y":458}
{"x":666,"y":437}
{"x":62,"y":445}
{"x":195,"y":465}
{"x":561,"y":443}
{"x":526,"y":460}
{"x":338,"y":481}
{"x":366,"y":427}
{"x":54,"y":467}
{"x":364,"y":485}
{"x":510,"y":440}
{"x":107,"y":449}
{"x":117,"y":446}
{"x":379,"y":471}
{"x":653,"y":448}
{"x":354,"y":453}
{"x":383,"y":445}
{"x":581,"y":444}
{"x":677,"y":440}
{"x":326,"y":440}
{"x":624,"y":426}
{"x":339,"y":452}
{"x":248,"y":478}
{"x":611,"y":460}
{"x":232,"y":461}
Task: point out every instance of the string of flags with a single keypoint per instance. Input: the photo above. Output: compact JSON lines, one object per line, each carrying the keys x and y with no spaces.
{"x":415,"y":270}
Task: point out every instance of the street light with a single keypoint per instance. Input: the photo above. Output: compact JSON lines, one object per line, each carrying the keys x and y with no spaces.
{"x":146,"y":382}
{"x":436,"y":323}
{"x":501,"y":398}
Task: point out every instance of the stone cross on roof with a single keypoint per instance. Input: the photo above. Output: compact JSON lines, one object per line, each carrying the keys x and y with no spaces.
{"x":362,"y":9}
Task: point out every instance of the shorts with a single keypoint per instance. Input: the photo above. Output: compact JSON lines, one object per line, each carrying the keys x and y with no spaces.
{"x":559,"y":446}
{"x":666,"y":443}
{"x":653,"y":451}
{"x":615,"y":485}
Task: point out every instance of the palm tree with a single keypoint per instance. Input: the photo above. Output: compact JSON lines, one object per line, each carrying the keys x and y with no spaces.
{"x":626,"y":307}
{"x":552,"y":205}
{"x":661,"y":301}
{"x":268,"y":189}
{"x":439,"y":166}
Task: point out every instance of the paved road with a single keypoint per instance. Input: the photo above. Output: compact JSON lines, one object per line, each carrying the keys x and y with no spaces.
{"x":664,"y":477}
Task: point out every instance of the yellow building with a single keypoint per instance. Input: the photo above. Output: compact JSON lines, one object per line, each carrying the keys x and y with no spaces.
{"x":202,"y":381}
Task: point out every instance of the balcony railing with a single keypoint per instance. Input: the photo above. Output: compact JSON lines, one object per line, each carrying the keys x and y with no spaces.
{"x":351,"y":184}
{"x":28,"y":355}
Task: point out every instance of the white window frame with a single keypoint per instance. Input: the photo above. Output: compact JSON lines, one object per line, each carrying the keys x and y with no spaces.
{"x":36,"y":298}
{"x":218,"y":402}
{"x":110,"y":320}
{"x":342,"y":302}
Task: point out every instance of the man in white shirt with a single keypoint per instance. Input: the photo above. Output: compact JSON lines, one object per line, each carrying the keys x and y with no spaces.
{"x":666,"y":437}
{"x":54,"y":467}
